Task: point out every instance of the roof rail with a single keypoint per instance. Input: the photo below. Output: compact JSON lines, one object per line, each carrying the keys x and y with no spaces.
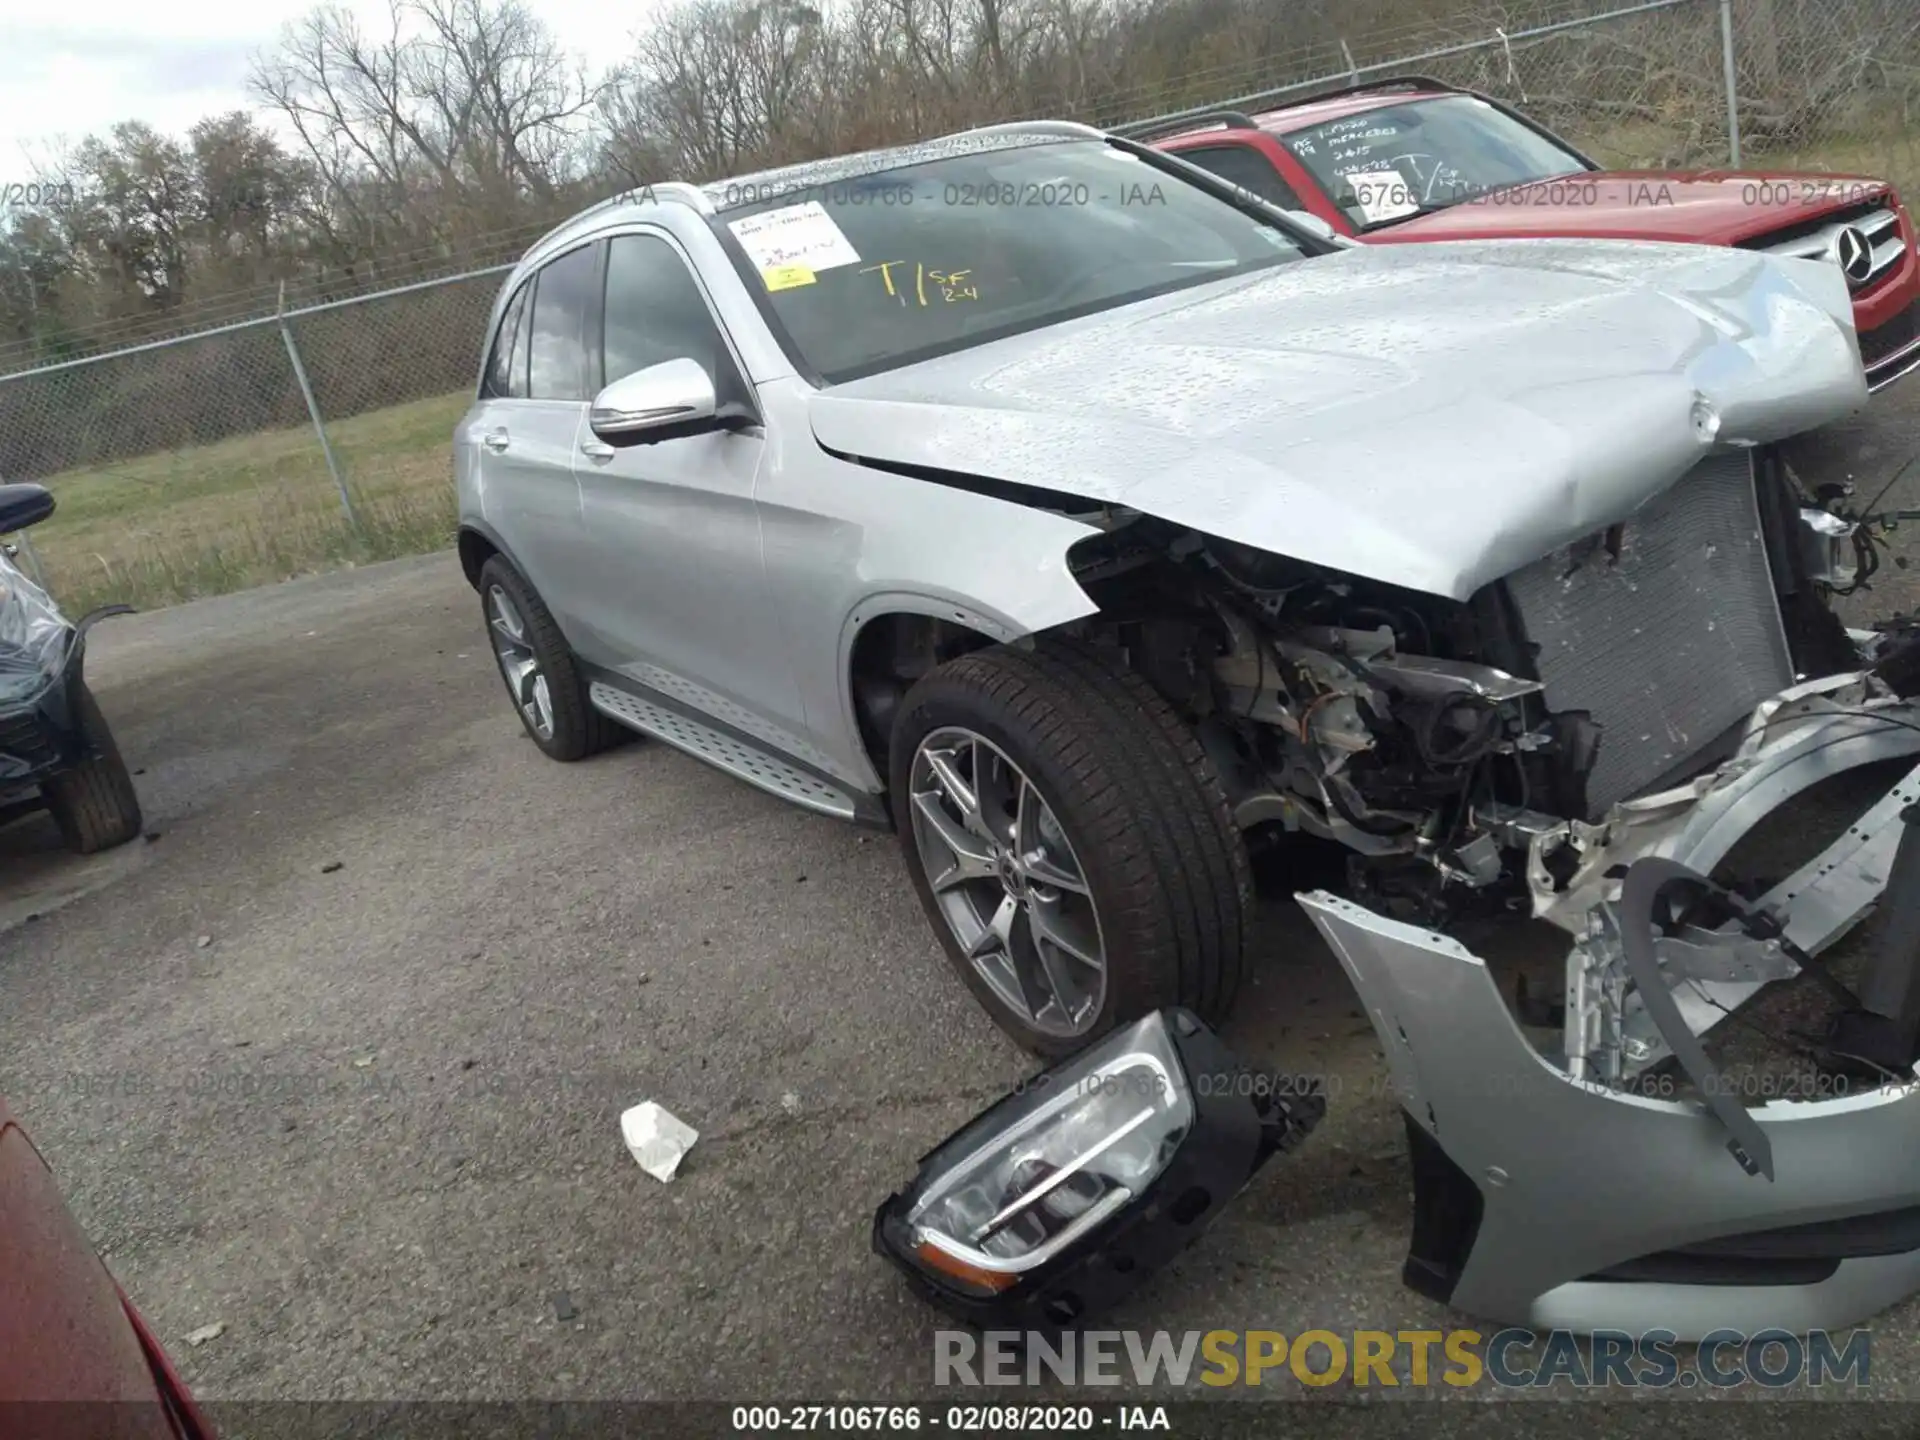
{"x":1149,"y":129}
{"x":655,"y":190}
{"x":1362,"y":87}
{"x":1282,"y":98}
{"x":1072,"y":128}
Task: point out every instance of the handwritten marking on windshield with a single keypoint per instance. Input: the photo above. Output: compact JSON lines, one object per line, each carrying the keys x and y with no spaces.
{"x":950,"y":285}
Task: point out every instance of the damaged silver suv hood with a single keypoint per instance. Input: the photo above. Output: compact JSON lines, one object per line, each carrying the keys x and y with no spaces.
{"x":1433,"y":417}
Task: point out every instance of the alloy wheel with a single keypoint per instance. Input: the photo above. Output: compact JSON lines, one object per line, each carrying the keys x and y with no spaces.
{"x":526,"y":681}
{"x":1007,"y":881}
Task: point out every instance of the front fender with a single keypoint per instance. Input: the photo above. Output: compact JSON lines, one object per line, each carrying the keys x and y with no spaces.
{"x":844,"y":544}
{"x":1041,"y":613}
{"x":481,"y":531}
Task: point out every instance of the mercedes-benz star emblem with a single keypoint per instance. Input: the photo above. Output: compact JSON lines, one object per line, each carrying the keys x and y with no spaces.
{"x":1853,"y":255}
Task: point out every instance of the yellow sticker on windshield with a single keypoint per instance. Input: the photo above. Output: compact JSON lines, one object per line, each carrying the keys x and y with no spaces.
{"x":785,"y":277}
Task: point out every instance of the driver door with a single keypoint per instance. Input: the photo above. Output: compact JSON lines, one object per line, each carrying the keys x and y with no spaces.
{"x":675,"y":596}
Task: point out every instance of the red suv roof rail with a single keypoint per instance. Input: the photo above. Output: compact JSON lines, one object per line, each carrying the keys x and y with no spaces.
{"x":1283,"y":99}
{"x":1418,"y":83}
{"x":1154,"y":129}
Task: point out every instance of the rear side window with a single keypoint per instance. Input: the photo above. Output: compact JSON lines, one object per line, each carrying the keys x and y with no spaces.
{"x":656,"y":313}
{"x":507,"y":368}
{"x":557,"y":358}
{"x":1249,"y":169}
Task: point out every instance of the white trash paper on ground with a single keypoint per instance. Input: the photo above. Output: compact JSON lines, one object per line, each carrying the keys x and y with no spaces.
{"x":658,"y":1139}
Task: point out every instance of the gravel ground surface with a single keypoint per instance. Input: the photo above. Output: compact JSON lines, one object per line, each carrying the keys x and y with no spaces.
{"x":335,"y":1059}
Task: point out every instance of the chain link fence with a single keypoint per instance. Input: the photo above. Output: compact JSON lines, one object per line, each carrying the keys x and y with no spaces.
{"x":253,"y":451}
{"x":295,"y":436}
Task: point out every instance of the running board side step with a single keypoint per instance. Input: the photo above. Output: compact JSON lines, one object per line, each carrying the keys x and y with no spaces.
{"x":739,"y":757}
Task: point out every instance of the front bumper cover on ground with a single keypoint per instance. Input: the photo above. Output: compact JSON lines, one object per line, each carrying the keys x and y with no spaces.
{"x":1550,"y":1200}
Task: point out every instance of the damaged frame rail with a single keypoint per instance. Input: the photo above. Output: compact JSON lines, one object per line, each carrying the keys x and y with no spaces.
{"x":1548,"y":1195}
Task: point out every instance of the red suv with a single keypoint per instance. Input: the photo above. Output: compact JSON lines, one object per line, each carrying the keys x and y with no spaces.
{"x":1416,"y":159}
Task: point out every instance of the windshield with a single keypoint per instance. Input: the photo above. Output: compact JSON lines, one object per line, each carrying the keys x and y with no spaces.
{"x":1385,"y":165}
{"x":888,"y":268}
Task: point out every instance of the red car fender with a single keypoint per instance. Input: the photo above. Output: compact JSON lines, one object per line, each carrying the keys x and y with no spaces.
{"x":68,"y":1334}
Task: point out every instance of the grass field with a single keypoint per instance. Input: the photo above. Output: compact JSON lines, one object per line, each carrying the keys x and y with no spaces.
{"x":249,"y":511}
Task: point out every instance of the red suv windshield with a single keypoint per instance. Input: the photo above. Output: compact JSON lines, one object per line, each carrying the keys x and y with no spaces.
{"x":1384,"y":165}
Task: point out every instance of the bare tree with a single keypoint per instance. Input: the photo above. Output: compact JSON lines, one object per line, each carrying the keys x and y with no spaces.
{"x":441,"y":133}
{"x":688,"y":97}
{"x":343,"y":94}
{"x":507,"y":105}
{"x":468,"y":104}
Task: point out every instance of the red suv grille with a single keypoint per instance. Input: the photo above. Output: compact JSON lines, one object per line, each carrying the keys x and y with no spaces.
{"x":1878,"y":223}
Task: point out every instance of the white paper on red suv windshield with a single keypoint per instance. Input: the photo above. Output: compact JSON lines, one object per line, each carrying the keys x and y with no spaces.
{"x":1382,"y":194}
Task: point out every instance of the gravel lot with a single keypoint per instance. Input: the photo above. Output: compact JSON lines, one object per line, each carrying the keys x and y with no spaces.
{"x":366,"y":1116}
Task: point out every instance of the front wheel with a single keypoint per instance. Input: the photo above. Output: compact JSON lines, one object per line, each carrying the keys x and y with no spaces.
{"x":1070,"y":841}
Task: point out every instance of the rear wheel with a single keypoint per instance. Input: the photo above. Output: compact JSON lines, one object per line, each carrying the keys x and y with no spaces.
{"x":1070,"y":841}
{"x":542,"y":678}
{"x":93,"y":802}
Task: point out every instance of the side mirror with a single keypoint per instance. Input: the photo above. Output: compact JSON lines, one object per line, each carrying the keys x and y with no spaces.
{"x":675,"y":397}
{"x":1313,"y":224}
{"x":23,"y":505}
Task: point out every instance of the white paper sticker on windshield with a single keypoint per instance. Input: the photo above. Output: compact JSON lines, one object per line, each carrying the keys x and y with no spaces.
{"x":1382,"y":195}
{"x":803,"y":235}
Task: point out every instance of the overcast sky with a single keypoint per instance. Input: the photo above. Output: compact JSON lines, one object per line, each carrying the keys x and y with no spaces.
{"x":75,"y":69}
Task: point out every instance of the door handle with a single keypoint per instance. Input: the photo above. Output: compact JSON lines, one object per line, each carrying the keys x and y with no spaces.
{"x":495,"y":440}
{"x":596,"y":449}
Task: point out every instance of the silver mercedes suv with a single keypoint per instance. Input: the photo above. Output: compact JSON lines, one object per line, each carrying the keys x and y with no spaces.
{"x":1086,"y":520}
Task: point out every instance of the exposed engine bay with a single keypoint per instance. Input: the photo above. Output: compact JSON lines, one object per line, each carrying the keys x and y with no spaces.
{"x":1466,"y":753}
{"x":1583,"y":743}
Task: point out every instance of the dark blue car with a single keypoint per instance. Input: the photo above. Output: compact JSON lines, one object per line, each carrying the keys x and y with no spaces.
{"x":56,"y":752}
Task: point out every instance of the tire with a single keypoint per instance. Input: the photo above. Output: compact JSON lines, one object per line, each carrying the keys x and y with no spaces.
{"x":1137,"y":803}
{"x":573,"y":728}
{"x":93,"y":802}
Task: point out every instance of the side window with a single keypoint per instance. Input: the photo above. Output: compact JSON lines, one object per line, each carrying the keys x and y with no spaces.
{"x":1247,"y":168}
{"x":557,"y":363}
{"x":507,"y":368}
{"x":655,"y":313}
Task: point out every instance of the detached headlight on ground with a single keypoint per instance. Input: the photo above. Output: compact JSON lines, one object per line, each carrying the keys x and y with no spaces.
{"x":1068,"y":1192}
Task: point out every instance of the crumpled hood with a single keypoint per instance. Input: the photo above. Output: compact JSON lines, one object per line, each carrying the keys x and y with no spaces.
{"x":1432,"y":416}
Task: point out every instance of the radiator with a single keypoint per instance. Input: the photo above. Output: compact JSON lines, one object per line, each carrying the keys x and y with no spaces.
{"x":1665,"y":629}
